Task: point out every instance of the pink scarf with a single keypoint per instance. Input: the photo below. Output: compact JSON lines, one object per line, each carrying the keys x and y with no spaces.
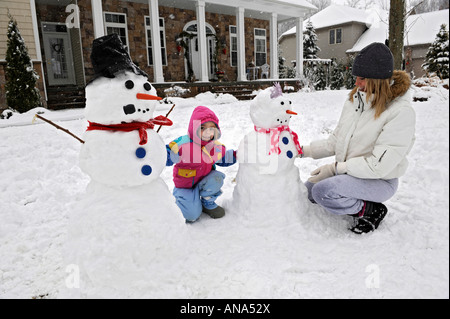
{"x":275,"y":138}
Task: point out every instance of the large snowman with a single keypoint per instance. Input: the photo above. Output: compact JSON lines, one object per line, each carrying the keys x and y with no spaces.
{"x":121,"y":148}
{"x":268,"y":186}
{"x":121,"y":231}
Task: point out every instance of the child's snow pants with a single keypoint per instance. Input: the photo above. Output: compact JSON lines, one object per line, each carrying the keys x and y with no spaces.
{"x":344,"y":194}
{"x":192,"y":200}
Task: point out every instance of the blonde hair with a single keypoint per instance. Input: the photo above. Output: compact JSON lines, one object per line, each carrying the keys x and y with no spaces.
{"x":381,"y":90}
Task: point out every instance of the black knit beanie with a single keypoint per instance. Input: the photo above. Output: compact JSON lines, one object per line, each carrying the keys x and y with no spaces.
{"x":375,"y":61}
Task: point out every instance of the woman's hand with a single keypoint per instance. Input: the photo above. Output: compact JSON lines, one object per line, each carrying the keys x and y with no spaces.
{"x":306,"y":151}
{"x":322,"y":173}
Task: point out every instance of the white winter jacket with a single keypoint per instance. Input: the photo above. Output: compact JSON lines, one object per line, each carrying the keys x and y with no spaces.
{"x":371,"y":148}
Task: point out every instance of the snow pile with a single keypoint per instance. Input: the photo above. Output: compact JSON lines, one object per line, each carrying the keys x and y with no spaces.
{"x":176,"y":90}
{"x":24,"y":119}
{"x":315,"y":256}
{"x":122,"y":239}
{"x":209,"y":98}
{"x":431,"y":87}
{"x":433,"y":81}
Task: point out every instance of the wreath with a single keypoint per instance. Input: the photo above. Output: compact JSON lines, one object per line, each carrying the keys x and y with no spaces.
{"x":57,"y":47}
{"x":182,"y":43}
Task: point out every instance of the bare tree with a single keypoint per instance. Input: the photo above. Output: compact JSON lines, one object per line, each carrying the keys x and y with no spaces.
{"x":321,"y":4}
{"x":353,"y":3}
{"x":397,"y":16}
{"x":423,"y":6}
{"x":384,"y":4}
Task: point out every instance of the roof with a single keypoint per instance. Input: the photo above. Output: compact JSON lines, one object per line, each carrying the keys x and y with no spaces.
{"x":335,"y":14}
{"x":421,"y":29}
{"x":297,"y":3}
{"x":257,"y":9}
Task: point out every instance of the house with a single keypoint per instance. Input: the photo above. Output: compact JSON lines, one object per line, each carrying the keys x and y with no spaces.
{"x":344,"y":31}
{"x":172,"y":40}
{"x":420,"y":33}
{"x":337,"y":27}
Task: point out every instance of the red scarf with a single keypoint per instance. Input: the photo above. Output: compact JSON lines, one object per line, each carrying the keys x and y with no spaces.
{"x":275,"y":138}
{"x":133,"y":126}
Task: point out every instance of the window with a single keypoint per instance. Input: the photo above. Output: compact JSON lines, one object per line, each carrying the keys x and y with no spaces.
{"x":117,"y":23}
{"x":233,"y":46}
{"x":162,"y":32}
{"x":336,"y":36}
{"x":260,"y":47}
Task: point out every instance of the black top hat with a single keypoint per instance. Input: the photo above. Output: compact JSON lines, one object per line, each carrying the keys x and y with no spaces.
{"x":109,"y":56}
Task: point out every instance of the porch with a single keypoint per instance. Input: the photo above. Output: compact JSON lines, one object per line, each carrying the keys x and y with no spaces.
{"x":245,"y":31}
{"x":74,"y":97}
{"x":241,"y":90}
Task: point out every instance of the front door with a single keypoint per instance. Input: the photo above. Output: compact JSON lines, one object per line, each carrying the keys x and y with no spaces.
{"x":194,"y":52}
{"x":58,"y":54}
{"x":195,"y":57}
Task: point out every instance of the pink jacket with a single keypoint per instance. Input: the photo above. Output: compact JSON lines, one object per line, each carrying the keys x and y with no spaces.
{"x":196,"y":158}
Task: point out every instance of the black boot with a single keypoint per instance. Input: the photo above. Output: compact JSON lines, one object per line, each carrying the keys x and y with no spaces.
{"x":215,"y":213}
{"x":371,"y":218}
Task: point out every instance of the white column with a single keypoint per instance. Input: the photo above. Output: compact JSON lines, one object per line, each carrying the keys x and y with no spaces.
{"x":240,"y":21}
{"x":37,"y":43}
{"x":97,"y":17}
{"x":156,"y":41}
{"x":299,"y":61}
{"x":202,"y":43}
{"x":274,"y":46}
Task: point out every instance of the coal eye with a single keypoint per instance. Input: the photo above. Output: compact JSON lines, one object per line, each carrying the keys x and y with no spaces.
{"x":147,"y":86}
{"x":290,"y":102}
{"x":129,"y":84}
{"x":282,"y":103}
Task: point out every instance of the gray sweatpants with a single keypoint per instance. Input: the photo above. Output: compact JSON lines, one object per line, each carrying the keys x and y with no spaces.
{"x":344,"y":194}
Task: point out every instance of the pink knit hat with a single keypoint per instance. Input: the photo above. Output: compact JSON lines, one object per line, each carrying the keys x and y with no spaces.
{"x":200,"y":116}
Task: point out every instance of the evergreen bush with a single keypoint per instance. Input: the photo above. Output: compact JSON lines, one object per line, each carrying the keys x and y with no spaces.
{"x":21,"y":92}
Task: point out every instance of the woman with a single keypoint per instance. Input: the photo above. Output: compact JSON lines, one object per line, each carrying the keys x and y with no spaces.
{"x":374,"y":135}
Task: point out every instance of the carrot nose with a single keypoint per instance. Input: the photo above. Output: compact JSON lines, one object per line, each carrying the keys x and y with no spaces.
{"x":291,"y":112}
{"x":148,"y":97}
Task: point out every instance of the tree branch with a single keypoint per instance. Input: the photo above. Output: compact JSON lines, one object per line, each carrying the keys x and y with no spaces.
{"x":59,"y":127}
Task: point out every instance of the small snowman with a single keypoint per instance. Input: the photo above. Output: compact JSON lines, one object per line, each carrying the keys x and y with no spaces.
{"x":121,"y":232}
{"x":268,"y":186}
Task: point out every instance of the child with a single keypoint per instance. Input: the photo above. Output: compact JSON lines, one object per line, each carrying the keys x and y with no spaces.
{"x":197,"y":183}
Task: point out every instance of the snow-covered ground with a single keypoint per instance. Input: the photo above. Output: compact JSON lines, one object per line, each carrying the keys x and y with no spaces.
{"x":314,"y":257}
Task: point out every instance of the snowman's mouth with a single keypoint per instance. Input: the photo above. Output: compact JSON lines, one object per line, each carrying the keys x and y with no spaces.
{"x":131,"y":109}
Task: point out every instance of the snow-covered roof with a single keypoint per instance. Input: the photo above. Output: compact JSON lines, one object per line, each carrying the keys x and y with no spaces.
{"x":257,"y":9}
{"x":335,"y":14}
{"x":423,"y":28}
{"x":298,"y":3}
{"x":420,"y":29}
{"x":378,"y":32}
